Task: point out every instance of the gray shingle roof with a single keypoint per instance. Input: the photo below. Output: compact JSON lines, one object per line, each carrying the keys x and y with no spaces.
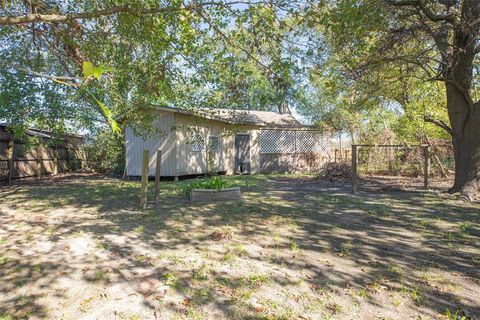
{"x":245,"y":117}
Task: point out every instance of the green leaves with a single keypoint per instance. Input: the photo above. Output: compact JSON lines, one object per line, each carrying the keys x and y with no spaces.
{"x":108,"y":115}
{"x":89,"y":70}
{"x":207,"y":57}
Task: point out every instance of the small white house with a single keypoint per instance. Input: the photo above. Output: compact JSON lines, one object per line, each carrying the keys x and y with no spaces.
{"x":228,"y":141}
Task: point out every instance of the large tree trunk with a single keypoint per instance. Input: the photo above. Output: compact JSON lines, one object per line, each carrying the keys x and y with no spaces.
{"x":467,"y":165}
{"x":464,"y":114}
{"x":465,"y":121}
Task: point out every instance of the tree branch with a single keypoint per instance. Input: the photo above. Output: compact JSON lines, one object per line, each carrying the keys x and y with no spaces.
{"x":49,"y":18}
{"x":231,"y":43}
{"x":435,"y":17}
{"x":439,"y":123}
{"x":70,"y":81}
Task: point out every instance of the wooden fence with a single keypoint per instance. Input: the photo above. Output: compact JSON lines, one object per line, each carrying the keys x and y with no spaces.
{"x":18,"y":159}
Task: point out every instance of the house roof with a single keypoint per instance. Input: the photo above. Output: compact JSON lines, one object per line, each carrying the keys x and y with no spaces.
{"x":245,"y":117}
{"x":41,"y":133}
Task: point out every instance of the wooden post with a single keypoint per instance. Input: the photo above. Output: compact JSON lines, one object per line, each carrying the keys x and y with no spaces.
{"x":39,"y":167}
{"x":55,"y":159}
{"x":67,"y":151}
{"x":143,"y":191}
{"x":157,"y":176}
{"x":390,"y":156}
{"x":10,"y":160}
{"x":426,"y":167}
{"x":354,"y":168}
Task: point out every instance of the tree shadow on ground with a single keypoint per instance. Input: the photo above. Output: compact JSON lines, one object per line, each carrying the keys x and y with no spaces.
{"x":302,"y":242}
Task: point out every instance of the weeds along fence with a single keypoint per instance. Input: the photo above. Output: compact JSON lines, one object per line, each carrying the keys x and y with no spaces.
{"x":412,"y":161}
{"x":442,"y":159}
{"x":20,"y":158}
{"x":404,"y":160}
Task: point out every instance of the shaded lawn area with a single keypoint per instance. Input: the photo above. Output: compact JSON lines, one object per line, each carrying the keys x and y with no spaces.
{"x":78,"y":248}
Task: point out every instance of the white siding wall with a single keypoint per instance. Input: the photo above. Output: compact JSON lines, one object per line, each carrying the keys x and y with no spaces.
{"x":164,"y":139}
{"x":178,"y":158}
{"x":195,"y":162}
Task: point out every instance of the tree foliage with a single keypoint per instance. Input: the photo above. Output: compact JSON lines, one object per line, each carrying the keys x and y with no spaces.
{"x":387,"y":49}
{"x":108,"y":61}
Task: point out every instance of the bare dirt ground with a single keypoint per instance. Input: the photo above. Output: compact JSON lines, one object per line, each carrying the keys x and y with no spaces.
{"x":76,"y":247}
{"x":374,"y":183}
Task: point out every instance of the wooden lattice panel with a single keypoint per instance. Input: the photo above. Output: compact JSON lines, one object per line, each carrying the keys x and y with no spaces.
{"x":277,"y":141}
{"x":311,"y":142}
{"x":293,"y":141}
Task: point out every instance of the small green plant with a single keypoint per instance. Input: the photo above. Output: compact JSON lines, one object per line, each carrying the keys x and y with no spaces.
{"x":294,"y":246}
{"x":363,"y":293}
{"x":345,"y":250}
{"x":240,"y":250}
{"x":201,"y":296}
{"x":416,"y":296}
{"x":465,"y":227}
{"x":228,"y":256}
{"x":170,"y":279}
{"x":101,"y":274}
{"x":201,"y":273}
{"x":454,"y":315}
{"x":6,"y":316}
{"x":255,"y":280}
{"x":51,"y":230}
{"x":214,"y":183}
{"x":38,"y":268}
{"x":195,"y":314}
{"x":139,"y":229}
{"x":4,"y":260}
{"x":85,"y":304}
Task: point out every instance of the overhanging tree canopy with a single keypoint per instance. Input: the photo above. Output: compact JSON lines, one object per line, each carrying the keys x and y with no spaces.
{"x":118,"y":57}
{"x":427,"y":40}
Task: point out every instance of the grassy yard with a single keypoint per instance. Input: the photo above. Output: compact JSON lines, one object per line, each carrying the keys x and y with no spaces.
{"x":76,"y":247}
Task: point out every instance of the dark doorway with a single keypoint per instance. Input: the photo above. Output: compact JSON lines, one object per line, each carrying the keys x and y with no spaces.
{"x":242,"y":153}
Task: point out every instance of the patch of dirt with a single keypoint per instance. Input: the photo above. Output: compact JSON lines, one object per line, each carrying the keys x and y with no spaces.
{"x":60,"y":178}
{"x":295,"y":248}
{"x":403,"y":183}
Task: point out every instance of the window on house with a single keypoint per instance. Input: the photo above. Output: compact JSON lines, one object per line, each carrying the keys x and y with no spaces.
{"x":214,"y":144}
{"x":197,"y":141}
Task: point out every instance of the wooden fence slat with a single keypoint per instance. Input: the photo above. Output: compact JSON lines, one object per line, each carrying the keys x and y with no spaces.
{"x":10,"y":161}
{"x":55,"y":160}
